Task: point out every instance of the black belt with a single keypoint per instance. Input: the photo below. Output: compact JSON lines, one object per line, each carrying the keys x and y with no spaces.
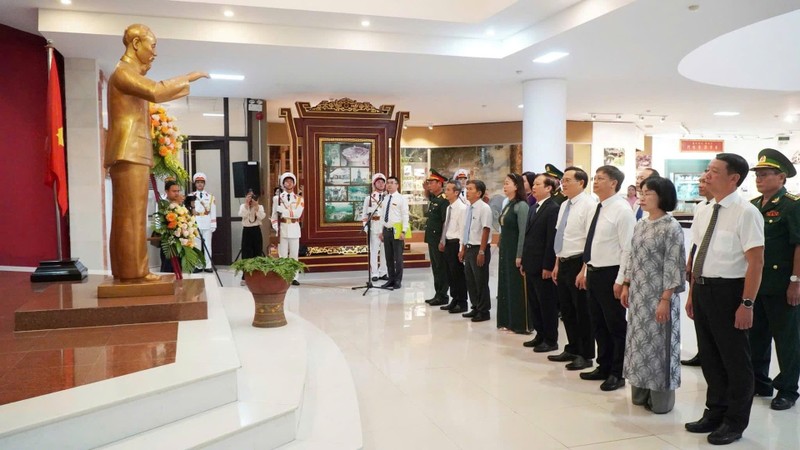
{"x":715,"y":281}
{"x":451,"y":241}
{"x":469,"y":246}
{"x":591,"y":268}
{"x":570,"y":258}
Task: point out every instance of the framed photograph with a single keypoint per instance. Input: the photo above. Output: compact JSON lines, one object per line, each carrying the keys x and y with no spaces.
{"x":345,"y":178}
{"x":614,"y":157}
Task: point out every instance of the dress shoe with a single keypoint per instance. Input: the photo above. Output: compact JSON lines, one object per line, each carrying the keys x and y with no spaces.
{"x":208,"y":270}
{"x":704,"y":425}
{"x":387,"y":285}
{"x":579,"y":363}
{"x":384,"y":277}
{"x":448,"y":306}
{"x":694,"y":361}
{"x":470,"y":314}
{"x":458,"y":309}
{"x":397,"y":285}
{"x":438,"y":302}
{"x":781,"y":403}
{"x":612,"y":383}
{"x":544,"y":347}
{"x":197,"y":271}
{"x":481,"y":317}
{"x":724,"y":435}
{"x":562,"y":357}
{"x":596,"y":374}
{"x":295,"y":283}
{"x":374,"y":278}
{"x":533,"y":342}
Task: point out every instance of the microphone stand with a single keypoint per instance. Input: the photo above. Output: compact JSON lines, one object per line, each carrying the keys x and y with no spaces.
{"x":368,"y":228}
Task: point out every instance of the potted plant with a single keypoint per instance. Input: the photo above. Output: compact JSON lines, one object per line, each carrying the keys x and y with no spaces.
{"x":268,"y":279}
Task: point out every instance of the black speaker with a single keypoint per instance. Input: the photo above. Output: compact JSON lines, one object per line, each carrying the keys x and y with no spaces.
{"x":246,"y":175}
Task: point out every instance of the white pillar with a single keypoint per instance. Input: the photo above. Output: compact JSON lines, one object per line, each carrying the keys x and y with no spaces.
{"x":544,"y":124}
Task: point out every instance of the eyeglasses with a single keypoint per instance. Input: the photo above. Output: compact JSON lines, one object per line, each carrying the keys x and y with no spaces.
{"x":599,"y":178}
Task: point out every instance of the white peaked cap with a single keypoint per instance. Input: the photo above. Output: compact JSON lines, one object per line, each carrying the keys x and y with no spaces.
{"x":288,"y":175}
{"x":378,"y":176}
{"x":199,"y":175}
{"x":461,"y":172}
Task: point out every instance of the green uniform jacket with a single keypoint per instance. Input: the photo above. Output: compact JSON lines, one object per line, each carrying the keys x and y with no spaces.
{"x":436,"y":213}
{"x":558,"y":196}
{"x":781,"y":235}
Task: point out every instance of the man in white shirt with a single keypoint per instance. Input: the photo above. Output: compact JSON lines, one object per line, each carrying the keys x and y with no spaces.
{"x":450,"y":244}
{"x":643,"y":174}
{"x":574,"y":219}
{"x":394,"y":223}
{"x":605,"y":256}
{"x":371,"y":213}
{"x":475,"y":252}
{"x":726,"y":275}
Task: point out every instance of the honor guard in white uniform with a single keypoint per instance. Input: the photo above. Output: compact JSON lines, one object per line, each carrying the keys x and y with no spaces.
{"x":205,"y":214}
{"x":287,"y":211}
{"x":462,"y":176}
{"x":373,"y":205}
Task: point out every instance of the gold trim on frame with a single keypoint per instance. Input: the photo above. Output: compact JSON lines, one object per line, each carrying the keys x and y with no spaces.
{"x":345,"y":104}
{"x":338,"y":250}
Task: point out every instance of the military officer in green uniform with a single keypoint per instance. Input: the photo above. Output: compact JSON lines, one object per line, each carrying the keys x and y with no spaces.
{"x":436,"y":213}
{"x":776,"y":314}
{"x":553,"y":171}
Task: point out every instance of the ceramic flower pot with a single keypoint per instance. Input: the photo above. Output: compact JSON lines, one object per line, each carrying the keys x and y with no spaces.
{"x":268,"y":292}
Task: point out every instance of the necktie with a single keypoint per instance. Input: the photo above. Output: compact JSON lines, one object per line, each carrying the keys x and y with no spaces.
{"x":467,"y":224}
{"x":639,"y":213}
{"x":703,"y":250}
{"x":587,"y":249}
{"x":559,"y":243}
{"x":446,"y":224}
{"x":387,"y":206}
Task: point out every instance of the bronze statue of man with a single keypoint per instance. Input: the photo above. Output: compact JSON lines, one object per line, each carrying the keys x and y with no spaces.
{"x":129,"y":151}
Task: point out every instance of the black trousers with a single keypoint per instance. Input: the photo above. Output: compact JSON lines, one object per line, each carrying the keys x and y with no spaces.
{"x":773,"y":318}
{"x":478,"y":278}
{"x":725,"y":351}
{"x":608,"y":319}
{"x":455,"y":272}
{"x":393,"y":249}
{"x":252,"y":242}
{"x":543,"y":306}
{"x":440,"y":281}
{"x":574,"y":309}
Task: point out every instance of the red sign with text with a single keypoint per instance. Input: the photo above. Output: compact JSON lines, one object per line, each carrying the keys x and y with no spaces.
{"x":702,"y":145}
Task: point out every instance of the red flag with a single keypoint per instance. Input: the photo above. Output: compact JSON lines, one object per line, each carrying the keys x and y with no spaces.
{"x":57,"y":168}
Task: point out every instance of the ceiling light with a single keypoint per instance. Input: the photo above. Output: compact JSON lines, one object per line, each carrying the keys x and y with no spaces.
{"x":213,"y":115}
{"x":365,"y":23}
{"x":430,"y":126}
{"x":619,"y":116}
{"x":726,"y":113}
{"x":594,"y":116}
{"x":550,"y":57}
{"x":228,"y":13}
{"x":663,"y":119}
{"x":221,"y":76}
{"x":490,"y":32}
{"x":520,"y":106}
{"x":405,"y":127}
{"x":641,"y":118}
{"x":66,"y":2}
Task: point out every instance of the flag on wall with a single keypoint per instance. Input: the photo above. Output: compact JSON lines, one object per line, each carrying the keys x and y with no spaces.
{"x":56,"y":164}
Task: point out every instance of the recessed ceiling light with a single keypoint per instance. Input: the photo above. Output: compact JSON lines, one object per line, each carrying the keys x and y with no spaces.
{"x":641,"y":118}
{"x":228,"y":13}
{"x":66,"y":2}
{"x":405,"y":127}
{"x":430,"y":126}
{"x":594,"y":116}
{"x":726,"y":113}
{"x":213,"y":115}
{"x":619,"y":116}
{"x":365,"y":23}
{"x":221,"y":76}
{"x":550,"y":57}
{"x":520,"y":106}
{"x":490,"y":32}
{"x":663,"y":119}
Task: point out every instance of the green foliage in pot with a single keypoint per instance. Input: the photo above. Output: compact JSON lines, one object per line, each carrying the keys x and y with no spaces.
{"x":285,"y":268}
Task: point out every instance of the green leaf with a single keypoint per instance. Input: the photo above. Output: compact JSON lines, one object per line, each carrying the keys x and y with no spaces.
{"x":285,"y":268}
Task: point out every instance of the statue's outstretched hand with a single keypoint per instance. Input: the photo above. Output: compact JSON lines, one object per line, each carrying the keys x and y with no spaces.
{"x":194,"y":76}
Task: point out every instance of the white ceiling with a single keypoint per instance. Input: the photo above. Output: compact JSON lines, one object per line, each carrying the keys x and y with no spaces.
{"x":440,"y":63}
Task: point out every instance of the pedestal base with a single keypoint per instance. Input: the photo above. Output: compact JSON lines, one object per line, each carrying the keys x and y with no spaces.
{"x":116,"y":289}
{"x":59,"y":270}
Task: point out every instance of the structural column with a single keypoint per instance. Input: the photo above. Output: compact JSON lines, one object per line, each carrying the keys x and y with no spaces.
{"x":544,"y":124}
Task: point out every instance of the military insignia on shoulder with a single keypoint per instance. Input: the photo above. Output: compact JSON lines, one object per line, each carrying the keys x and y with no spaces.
{"x":773,"y":213}
{"x":791,"y":196}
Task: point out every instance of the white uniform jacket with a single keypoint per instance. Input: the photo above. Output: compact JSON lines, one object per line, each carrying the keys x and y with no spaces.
{"x":370,"y":203}
{"x":289,"y":206}
{"x":205,"y":210}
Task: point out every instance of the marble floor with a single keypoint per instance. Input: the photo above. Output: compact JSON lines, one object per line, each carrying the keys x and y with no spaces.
{"x":430,"y":380}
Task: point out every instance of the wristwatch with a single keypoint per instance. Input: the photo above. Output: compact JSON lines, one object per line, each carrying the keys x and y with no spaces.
{"x":794,"y":279}
{"x":747,"y":303}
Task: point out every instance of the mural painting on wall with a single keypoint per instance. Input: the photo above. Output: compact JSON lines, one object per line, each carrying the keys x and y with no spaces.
{"x":489,"y":164}
{"x":614,"y":157}
{"x":346,"y":175}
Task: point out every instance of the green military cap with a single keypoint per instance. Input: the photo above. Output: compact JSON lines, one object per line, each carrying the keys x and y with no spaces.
{"x":769,"y":158}
{"x":551,"y":170}
{"x":434,"y":175}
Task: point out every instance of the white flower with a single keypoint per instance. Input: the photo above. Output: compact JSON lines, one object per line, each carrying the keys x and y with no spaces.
{"x":177,"y":233}
{"x":184,"y":242}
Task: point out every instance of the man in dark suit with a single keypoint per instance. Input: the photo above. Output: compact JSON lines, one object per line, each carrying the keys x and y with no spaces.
{"x":538,"y":260}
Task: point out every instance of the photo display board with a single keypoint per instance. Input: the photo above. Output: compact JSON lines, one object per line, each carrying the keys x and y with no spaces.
{"x":346,"y":176}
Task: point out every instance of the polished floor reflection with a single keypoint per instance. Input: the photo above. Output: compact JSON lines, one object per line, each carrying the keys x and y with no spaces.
{"x":430,"y":380}
{"x":35,"y":363}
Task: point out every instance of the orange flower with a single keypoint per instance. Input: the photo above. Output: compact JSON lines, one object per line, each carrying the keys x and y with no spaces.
{"x":164,"y":128}
{"x":161,"y":139}
{"x":171,"y":217}
{"x":163,"y":151}
{"x":172,"y":225}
